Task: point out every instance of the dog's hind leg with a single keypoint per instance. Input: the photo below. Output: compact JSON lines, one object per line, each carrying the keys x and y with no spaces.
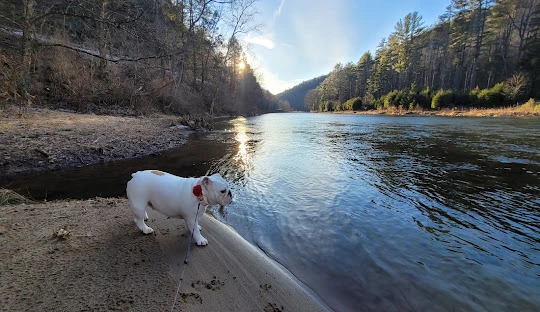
{"x":139,"y":210}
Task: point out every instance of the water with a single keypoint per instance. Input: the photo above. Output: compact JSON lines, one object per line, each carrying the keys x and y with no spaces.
{"x":381,"y":213}
{"x":374,"y":213}
{"x":109,"y":179}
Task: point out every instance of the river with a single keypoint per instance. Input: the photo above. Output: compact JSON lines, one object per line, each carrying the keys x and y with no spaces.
{"x":373,"y":213}
{"x":393,"y":213}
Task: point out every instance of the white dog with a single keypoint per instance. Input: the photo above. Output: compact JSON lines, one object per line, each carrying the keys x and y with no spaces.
{"x":177,"y":197}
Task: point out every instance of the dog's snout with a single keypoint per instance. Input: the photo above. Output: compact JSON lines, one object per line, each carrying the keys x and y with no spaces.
{"x":230,"y":194}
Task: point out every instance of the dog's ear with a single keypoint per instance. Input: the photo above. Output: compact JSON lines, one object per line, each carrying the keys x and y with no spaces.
{"x":206,"y":181}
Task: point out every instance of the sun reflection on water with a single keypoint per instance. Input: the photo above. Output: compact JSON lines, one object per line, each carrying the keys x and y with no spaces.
{"x":240,"y":126}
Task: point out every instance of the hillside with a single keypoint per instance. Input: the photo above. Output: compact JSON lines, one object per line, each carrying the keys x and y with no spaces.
{"x":295,"y":95}
{"x":145,"y":57}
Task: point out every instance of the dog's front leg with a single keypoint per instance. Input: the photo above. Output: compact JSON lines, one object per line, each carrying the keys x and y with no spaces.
{"x":194,"y":228}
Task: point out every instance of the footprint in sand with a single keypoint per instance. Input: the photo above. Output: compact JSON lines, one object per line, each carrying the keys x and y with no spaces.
{"x":191,"y":298}
{"x":265,"y":287}
{"x":272,"y":307}
{"x":214,"y":284}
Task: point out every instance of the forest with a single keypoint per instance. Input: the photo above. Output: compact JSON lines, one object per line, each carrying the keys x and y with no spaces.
{"x":295,"y":96}
{"x":175,"y":57}
{"x":481,"y":53}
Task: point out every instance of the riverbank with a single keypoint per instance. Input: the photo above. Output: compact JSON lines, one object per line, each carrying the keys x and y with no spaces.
{"x":88,"y":255}
{"x":43,"y":140}
{"x":525,"y":110}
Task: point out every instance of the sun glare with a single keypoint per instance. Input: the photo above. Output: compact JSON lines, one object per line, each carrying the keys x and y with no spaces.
{"x":240,"y":127}
{"x":241,"y":65}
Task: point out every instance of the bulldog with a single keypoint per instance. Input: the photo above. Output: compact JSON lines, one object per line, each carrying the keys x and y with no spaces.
{"x":176,"y":197}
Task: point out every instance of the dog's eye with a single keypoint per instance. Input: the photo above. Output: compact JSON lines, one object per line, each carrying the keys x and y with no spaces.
{"x":223,"y":192}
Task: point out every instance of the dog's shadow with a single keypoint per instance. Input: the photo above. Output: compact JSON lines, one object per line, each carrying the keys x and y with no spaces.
{"x":173,"y":238}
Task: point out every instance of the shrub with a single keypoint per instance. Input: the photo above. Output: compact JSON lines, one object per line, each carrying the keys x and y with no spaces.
{"x":493,"y":97}
{"x":369,"y":102}
{"x":443,"y":98}
{"x":515,"y":86}
{"x":379,"y":103}
{"x":407,"y":98}
{"x":530,"y":106}
{"x":330,"y":106}
{"x":353,"y":104}
{"x":391,"y":99}
{"x":462,"y":99}
{"x":424,"y":98}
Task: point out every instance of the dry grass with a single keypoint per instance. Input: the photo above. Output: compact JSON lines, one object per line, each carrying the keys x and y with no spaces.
{"x":9,"y":197}
{"x":530,"y":108}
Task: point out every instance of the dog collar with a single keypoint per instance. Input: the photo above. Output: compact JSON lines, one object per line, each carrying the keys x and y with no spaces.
{"x":197,"y":191}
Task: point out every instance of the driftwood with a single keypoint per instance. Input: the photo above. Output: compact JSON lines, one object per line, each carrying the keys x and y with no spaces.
{"x":42,"y":152}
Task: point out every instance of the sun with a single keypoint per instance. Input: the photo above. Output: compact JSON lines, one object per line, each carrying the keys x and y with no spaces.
{"x":241,"y":65}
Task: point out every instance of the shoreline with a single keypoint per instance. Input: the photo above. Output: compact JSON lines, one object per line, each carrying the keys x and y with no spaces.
{"x":511,"y":112}
{"x":104,"y":262}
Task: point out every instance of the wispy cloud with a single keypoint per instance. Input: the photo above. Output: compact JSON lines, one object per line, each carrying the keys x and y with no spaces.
{"x":277,"y":12}
{"x":263,"y":40}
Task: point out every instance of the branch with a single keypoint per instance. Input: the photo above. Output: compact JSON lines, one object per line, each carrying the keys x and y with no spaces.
{"x":106,"y":21}
{"x":108,"y":58}
{"x":11,"y":20}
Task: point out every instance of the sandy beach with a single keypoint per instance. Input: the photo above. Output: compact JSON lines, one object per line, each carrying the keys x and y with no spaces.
{"x":89,"y":255}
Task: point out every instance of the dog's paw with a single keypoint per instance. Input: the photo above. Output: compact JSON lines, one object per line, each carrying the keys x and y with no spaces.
{"x":148,"y":230}
{"x":202,"y":242}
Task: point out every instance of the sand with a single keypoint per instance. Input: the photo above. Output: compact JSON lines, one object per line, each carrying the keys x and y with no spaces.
{"x":45,"y":140}
{"x":89,"y":255}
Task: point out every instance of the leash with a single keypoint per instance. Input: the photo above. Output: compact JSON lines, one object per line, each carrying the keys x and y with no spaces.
{"x":191,"y":237}
{"x":186,"y":258}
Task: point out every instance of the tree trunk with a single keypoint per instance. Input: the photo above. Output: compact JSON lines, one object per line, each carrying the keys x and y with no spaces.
{"x":100,"y":35}
{"x":27,"y":29}
{"x":481,"y":19}
{"x":26,"y":48}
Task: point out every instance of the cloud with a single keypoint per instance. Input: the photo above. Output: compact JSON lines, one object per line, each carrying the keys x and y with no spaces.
{"x":269,"y":80}
{"x":263,"y":41}
{"x":277,"y":12}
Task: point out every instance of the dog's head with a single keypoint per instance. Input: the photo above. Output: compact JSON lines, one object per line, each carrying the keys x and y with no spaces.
{"x":216,"y":190}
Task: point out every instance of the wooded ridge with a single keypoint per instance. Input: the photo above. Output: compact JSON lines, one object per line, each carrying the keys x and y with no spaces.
{"x":179,"y":57}
{"x":481,"y":53}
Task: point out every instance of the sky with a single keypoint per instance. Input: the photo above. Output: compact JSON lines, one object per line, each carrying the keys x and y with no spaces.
{"x":302,"y":39}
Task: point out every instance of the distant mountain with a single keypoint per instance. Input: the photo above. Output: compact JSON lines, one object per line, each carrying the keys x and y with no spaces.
{"x":295,"y":95}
